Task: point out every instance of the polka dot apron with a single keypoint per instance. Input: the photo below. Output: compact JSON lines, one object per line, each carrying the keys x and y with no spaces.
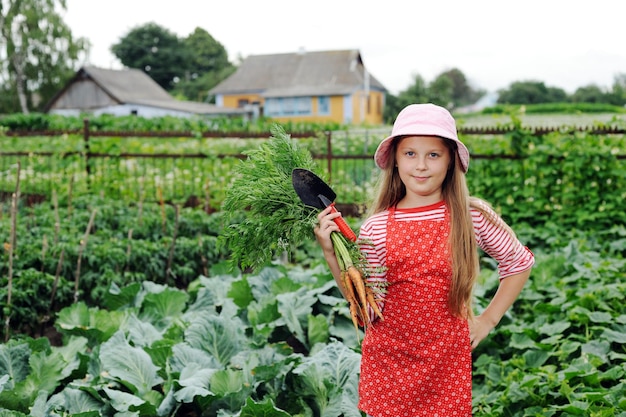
{"x":417,"y":362}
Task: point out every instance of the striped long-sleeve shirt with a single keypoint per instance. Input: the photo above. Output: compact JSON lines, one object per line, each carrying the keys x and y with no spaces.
{"x":495,"y":240}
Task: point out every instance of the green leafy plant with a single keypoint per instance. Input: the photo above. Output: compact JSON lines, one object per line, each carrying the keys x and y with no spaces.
{"x":276,"y":342}
{"x":279,"y":342}
{"x":264,"y":215}
{"x":560,"y":351}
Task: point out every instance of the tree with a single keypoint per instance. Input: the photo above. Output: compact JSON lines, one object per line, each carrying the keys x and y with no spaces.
{"x":589,"y":94}
{"x":208,"y":65}
{"x":186,"y":67}
{"x":156,"y":51}
{"x":592,"y":93}
{"x":440,"y":91}
{"x":462,"y":93}
{"x":557,"y":95}
{"x":416,"y":93}
{"x":618,"y":91}
{"x":206,"y":54}
{"x":38,"y":52}
{"x":449,"y":89}
{"x":531,"y":92}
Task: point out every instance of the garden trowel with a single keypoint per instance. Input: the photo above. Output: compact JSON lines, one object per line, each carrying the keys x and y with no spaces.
{"x":314,"y":192}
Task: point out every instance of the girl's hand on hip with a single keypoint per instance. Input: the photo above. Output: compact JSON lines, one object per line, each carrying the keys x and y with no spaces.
{"x":479,"y":329}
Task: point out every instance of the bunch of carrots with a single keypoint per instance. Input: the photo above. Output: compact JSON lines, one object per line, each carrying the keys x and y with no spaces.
{"x":358,"y":293}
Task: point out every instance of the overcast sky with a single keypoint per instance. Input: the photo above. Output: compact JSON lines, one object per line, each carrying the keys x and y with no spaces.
{"x":563,"y":43}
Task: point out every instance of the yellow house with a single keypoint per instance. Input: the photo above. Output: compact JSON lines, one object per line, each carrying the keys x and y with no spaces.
{"x":322,"y":86}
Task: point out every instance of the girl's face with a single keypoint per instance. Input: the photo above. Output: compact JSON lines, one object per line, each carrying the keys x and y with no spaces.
{"x":422,"y":163}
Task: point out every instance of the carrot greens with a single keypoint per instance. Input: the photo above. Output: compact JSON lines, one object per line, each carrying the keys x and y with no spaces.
{"x":264,"y":215}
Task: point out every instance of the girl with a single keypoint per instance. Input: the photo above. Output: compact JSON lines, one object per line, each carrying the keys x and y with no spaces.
{"x":421,"y":240}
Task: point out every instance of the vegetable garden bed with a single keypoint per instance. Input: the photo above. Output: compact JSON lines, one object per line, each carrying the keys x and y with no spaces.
{"x":211,"y":341}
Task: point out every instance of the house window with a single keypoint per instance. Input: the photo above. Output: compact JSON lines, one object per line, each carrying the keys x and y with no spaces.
{"x":303,"y":105}
{"x":242,"y":102}
{"x":288,"y":106}
{"x":272,"y":107}
{"x":323,"y":105}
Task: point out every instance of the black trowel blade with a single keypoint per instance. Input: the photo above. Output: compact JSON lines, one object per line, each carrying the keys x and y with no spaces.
{"x":309,"y":187}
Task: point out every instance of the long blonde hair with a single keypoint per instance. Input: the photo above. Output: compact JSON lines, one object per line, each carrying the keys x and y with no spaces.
{"x":462,"y":240}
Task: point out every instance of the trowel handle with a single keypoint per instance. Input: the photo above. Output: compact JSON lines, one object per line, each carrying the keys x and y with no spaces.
{"x":343,"y":226}
{"x":339,"y":221}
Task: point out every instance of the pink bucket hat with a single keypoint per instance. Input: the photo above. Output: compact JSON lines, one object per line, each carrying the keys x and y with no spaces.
{"x":422,"y":120}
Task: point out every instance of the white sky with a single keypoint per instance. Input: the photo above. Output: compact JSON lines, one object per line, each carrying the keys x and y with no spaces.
{"x":563,"y":43}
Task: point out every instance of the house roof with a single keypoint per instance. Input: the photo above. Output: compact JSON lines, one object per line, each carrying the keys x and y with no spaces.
{"x":127,"y":85}
{"x":298,"y":74}
{"x":133,"y":86}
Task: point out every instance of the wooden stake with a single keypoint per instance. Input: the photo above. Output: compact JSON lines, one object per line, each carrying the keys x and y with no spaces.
{"x":207,"y":197}
{"x":203,"y":259}
{"x":12,"y":243}
{"x":170,"y":258}
{"x":128,"y":251}
{"x":55,"y":285}
{"x":69,"y":197}
{"x":142,"y":195}
{"x":162,"y":204}
{"x":57,"y":218}
{"x":83,"y":244}
{"x":57,"y":276}
{"x":44,"y":250}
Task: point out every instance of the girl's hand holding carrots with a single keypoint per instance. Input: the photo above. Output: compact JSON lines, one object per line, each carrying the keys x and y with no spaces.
{"x":325,"y":226}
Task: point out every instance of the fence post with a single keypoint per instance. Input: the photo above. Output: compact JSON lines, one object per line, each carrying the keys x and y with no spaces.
{"x":329,"y":155}
{"x":87,"y":152}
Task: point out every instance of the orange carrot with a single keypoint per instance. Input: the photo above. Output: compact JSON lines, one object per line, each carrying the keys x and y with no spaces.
{"x":357,"y":280}
{"x":350,"y":297}
{"x":347,"y":285}
{"x":372,"y":302}
{"x":354,"y":314}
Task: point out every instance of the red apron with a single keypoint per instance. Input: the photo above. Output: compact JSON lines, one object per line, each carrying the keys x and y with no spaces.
{"x":418,"y":361}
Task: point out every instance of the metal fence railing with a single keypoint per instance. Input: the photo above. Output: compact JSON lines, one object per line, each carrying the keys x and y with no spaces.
{"x":181,"y":168}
